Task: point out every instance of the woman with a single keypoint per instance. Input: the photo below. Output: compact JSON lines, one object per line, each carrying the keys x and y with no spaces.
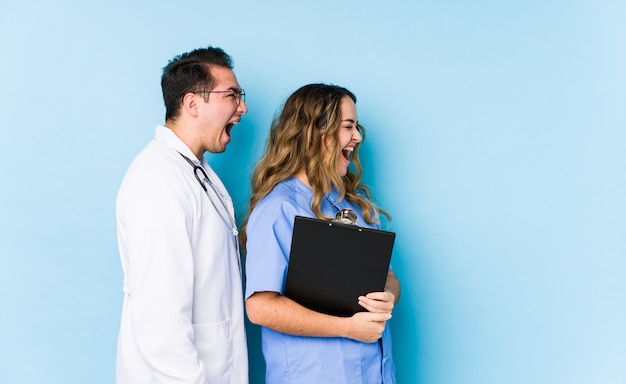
{"x":305,"y":171}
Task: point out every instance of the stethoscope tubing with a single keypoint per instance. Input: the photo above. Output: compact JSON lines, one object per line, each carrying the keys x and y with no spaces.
{"x":230,"y":222}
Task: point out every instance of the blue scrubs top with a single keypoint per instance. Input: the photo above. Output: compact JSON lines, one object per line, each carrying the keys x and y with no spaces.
{"x":297,"y":359}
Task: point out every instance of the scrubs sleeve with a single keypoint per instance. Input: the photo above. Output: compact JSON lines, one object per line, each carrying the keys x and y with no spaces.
{"x":156,"y":215}
{"x":268,"y":245}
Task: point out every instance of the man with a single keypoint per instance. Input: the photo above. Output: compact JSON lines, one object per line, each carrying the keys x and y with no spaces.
{"x":182,"y":318}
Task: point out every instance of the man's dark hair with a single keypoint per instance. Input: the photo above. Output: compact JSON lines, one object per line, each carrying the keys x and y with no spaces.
{"x":189,"y":72}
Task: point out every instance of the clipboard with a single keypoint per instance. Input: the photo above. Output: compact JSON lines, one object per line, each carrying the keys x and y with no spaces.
{"x":332,"y":264}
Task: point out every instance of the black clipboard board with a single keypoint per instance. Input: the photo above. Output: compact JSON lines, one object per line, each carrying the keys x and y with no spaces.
{"x":332,"y":264}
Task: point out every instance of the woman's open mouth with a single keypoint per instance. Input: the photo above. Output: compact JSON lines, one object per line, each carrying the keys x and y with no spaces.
{"x":346,"y":152}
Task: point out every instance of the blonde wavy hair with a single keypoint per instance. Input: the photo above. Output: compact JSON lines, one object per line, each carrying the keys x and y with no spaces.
{"x":301,"y":137}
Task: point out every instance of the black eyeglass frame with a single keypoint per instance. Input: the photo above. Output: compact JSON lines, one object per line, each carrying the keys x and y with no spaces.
{"x":239,"y":94}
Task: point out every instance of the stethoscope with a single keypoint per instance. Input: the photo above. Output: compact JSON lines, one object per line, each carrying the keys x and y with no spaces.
{"x":230,"y":221}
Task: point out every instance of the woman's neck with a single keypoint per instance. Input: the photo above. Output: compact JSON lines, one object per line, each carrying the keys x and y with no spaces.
{"x":304,"y":179}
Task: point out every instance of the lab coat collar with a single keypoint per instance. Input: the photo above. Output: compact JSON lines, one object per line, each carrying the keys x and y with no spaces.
{"x":168,"y":136}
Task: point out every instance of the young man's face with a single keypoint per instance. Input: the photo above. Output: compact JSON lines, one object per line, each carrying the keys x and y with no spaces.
{"x":221,"y":112}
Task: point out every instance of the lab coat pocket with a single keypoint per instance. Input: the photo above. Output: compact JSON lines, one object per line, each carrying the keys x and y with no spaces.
{"x":215,"y":349}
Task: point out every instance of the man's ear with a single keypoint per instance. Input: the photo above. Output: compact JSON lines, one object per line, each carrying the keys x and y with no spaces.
{"x":190,"y":104}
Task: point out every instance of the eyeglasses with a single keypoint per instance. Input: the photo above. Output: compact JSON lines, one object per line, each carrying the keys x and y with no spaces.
{"x":238,"y":94}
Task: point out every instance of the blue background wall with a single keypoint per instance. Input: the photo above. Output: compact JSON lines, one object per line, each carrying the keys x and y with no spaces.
{"x":495,"y":138}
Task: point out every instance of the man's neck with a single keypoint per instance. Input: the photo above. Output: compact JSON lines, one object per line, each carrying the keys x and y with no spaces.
{"x":185,"y":136}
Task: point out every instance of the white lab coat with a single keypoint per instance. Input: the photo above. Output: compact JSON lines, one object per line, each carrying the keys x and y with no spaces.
{"x":182,"y":317}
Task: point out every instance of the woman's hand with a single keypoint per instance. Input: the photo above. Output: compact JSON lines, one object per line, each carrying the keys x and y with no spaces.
{"x":382,"y":302}
{"x":378,"y":302}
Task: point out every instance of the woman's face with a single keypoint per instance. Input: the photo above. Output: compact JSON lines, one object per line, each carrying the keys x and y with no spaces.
{"x":348,"y":135}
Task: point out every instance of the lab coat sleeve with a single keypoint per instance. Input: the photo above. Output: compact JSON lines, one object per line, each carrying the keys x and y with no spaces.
{"x":156,"y":216}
